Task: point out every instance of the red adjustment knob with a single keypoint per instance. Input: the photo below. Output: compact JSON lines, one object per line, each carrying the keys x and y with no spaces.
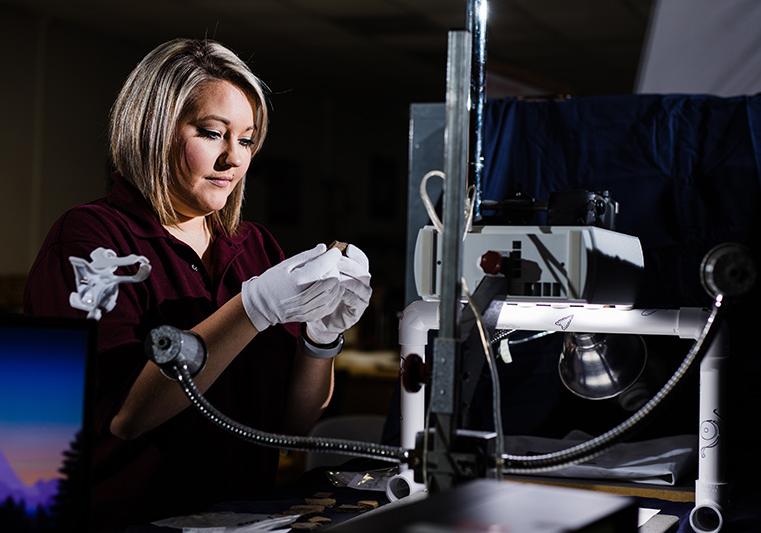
{"x":491,"y":262}
{"x":414,"y":373}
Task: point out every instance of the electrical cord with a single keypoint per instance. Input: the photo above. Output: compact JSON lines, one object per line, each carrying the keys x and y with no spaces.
{"x":431,"y":210}
{"x":426,"y":430}
{"x":491,"y":361}
{"x":531,"y":337}
{"x":506,"y":333}
{"x":500,"y":336}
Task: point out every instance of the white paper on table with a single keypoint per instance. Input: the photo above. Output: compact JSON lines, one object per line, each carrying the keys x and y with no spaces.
{"x":657,"y":461}
{"x":644,"y":514}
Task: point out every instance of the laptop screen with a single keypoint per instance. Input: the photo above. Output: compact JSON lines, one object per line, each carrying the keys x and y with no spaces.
{"x":43,"y":450}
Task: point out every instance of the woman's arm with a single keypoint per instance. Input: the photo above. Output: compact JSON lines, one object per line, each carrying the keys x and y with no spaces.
{"x":153,"y":398}
{"x":311,"y":389}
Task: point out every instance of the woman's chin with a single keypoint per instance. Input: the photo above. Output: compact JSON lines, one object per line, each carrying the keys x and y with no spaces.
{"x":211,"y":205}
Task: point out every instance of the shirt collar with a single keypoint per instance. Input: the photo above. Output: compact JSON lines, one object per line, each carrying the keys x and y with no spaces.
{"x":143,"y":220}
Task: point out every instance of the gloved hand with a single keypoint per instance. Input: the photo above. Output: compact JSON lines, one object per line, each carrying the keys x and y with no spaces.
{"x":299,"y":289}
{"x":355,"y":282}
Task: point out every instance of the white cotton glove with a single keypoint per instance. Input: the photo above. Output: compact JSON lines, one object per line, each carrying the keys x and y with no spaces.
{"x":302,"y":288}
{"x":355,"y":282}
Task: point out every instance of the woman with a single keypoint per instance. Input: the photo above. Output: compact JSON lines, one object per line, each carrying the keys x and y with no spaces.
{"x":183,"y":131}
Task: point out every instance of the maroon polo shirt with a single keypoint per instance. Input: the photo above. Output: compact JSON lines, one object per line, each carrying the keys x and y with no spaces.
{"x":186,"y":464}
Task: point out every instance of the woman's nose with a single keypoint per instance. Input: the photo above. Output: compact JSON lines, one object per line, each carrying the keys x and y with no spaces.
{"x":231,"y":157}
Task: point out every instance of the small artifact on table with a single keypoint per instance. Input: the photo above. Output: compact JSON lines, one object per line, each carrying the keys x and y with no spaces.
{"x":370,"y":504}
{"x":320,"y":520}
{"x":347,"y":508}
{"x":327,"y":502}
{"x":306,"y":509}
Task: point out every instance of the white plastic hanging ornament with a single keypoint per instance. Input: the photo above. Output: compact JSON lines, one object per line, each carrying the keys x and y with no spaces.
{"x":97,"y":283}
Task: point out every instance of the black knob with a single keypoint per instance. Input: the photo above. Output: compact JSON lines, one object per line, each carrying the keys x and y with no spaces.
{"x":728,"y":269}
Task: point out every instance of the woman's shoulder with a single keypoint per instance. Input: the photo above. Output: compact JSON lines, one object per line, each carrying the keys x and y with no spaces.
{"x":76,"y":233}
{"x":84,"y":222}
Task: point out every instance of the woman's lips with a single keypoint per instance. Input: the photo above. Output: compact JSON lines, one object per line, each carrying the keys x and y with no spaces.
{"x":221,"y":182}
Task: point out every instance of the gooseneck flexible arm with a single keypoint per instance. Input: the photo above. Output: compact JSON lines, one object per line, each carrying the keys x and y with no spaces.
{"x":177,"y":352}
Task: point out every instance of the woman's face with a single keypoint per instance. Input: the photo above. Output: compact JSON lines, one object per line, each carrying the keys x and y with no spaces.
{"x":215,"y":143}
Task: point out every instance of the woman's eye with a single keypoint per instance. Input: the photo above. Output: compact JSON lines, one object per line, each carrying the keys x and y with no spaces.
{"x":247,"y":143}
{"x":209,"y":134}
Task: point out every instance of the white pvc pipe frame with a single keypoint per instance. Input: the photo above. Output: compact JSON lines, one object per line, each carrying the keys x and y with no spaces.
{"x":687,"y":323}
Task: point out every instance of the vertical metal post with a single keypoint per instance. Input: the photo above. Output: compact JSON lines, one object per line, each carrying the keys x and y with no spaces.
{"x":443,"y":392}
{"x":455,"y":168}
{"x":476,"y":18}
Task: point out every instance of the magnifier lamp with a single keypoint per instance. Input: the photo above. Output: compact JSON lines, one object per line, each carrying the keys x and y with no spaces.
{"x":597,"y":366}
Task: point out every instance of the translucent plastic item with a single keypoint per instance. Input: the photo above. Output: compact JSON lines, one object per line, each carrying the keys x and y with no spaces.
{"x":96,"y":281}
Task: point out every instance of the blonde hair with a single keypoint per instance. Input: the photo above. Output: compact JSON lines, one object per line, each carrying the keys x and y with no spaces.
{"x":156,"y":95}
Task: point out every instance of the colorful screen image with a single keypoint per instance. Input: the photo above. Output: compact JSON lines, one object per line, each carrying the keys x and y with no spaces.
{"x":42,"y":384}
